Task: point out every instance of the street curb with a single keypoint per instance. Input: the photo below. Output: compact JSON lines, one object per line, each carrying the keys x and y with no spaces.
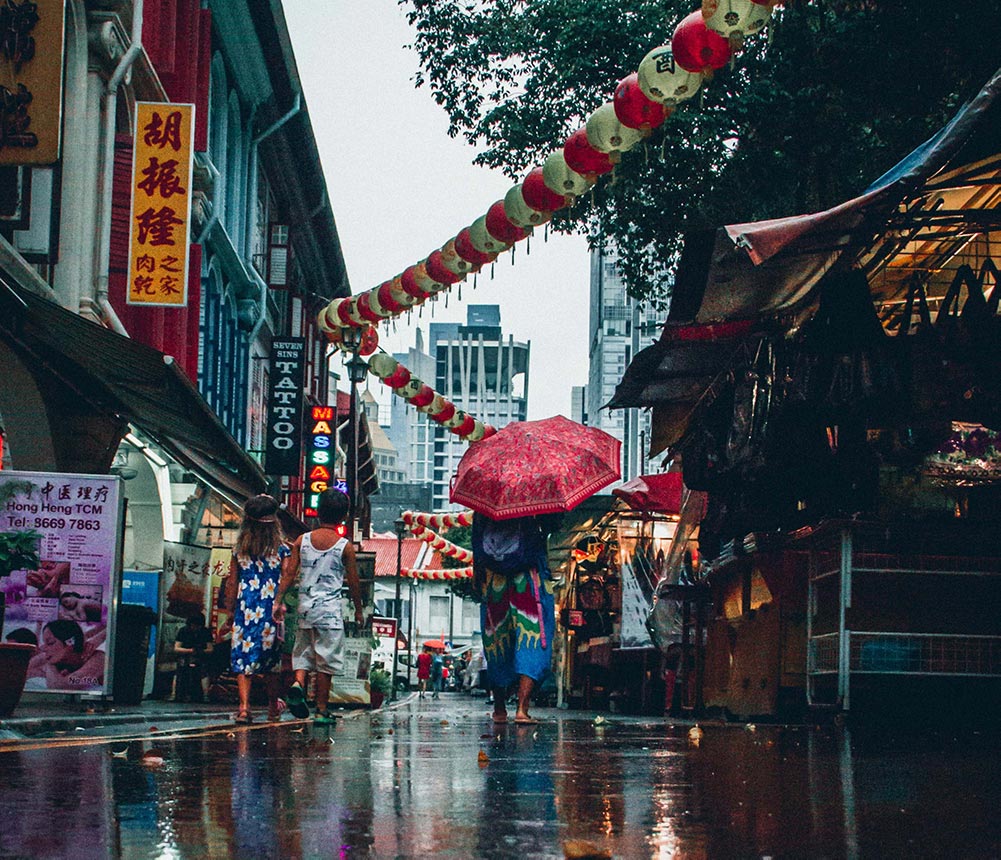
{"x":31,"y":726}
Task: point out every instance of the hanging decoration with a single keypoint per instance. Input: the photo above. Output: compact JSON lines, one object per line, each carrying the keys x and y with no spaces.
{"x":445,"y":547}
{"x":704,"y":41}
{"x":440,"y":522}
{"x":457,"y":573}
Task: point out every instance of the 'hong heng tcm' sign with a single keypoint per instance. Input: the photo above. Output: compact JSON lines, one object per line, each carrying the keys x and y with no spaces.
{"x":31,"y":70}
{"x":284,"y":452}
{"x":161,"y":205}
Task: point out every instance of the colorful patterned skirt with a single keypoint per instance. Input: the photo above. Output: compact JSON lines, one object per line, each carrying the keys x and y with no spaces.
{"x":519,"y":622}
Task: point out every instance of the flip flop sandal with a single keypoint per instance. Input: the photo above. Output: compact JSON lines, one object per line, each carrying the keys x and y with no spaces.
{"x":243,"y":718}
{"x":296,"y":701}
{"x":323,"y":718}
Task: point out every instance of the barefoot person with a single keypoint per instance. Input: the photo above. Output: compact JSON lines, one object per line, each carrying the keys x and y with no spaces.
{"x":517,"y":613}
{"x":254,"y":571}
{"x":322,"y":562}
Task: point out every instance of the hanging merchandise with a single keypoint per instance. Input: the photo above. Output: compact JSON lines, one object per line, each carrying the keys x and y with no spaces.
{"x":582,"y":157}
{"x":662,"y":79}
{"x":697,"y":48}
{"x":607,"y":134}
{"x":634,"y":109}
{"x":560,"y":178}
{"x":734,"y":20}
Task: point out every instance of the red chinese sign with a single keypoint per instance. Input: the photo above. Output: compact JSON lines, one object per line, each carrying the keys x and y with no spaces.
{"x":384,"y":628}
{"x":161,"y":204}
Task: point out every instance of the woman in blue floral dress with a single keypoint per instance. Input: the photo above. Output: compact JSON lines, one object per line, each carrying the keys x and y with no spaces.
{"x":254,"y":572}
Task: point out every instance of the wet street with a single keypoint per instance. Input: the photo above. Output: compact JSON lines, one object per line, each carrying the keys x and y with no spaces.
{"x":435,"y":779}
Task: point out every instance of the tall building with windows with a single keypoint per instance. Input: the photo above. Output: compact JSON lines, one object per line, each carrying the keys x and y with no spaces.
{"x":619,"y":328}
{"x":410,"y":432}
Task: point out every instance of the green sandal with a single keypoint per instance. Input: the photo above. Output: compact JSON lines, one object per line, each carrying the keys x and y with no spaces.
{"x":296,"y":701}
{"x":323,"y":718}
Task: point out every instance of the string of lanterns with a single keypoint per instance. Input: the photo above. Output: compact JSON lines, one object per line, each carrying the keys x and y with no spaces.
{"x":427,"y":400}
{"x":457,"y":573}
{"x":445,"y":547}
{"x":702,"y":42}
{"x":440,"y":522}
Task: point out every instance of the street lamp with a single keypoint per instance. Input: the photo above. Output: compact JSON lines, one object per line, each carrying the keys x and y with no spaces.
{"x":357,"y":372}
{"x":401,"y":529}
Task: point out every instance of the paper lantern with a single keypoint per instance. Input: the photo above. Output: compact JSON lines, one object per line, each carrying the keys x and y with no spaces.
{"x":520,"y":213}
{"x":483,"y":241}
{"x":408,"y":280}
{"x":438,"y":271}
{"x":436,"y":405}
{"x":398,"y":378}
{"x":697,"y":48}
{"x":477,"y":432}
{"x":366,"y":311}
{"x":560,"y":178}
{"x":425,"y":281}
{"x":334,"y":336}
{"x":663,"y":80}
{"x":454,"y":420}
{"x":369,"y":342}
{"x":500,"y":227}
{"x":634,"y":109}
{"x":411,"y":387}
{"x":383,"y":365}
{"x":323,"y":322}
{"x":465,"y":427}
{"x":538,"y":195}
{"x":424,"y":395}
{"x":583,"y":157}
{"x":444,"y":414}
{"x":734,"y":20}
{"x":607,"y":134}
{"x":454,"y":261}
{"x":488,"y":431}
{"x":464,"y":248}
{"x":387,"y":300}
{"x":345,"y":313}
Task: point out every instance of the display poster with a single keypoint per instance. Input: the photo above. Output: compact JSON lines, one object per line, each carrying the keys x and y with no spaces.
{"x":142,"y":588}
{"x":161,"y":204}
{"x":643,"y":548}
{"x":219,"y":570}
{"x":350,"y":686}
{"x":184,"y":589}
{"x":65,"y":530}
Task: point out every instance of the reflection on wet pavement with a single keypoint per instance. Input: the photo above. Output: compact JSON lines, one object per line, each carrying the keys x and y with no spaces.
{"x":412,"y":783}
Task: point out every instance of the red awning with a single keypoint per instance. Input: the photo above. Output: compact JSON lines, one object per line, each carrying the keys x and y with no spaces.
{"x":659,"y":493}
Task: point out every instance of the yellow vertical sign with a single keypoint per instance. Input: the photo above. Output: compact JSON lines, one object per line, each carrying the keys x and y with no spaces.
{"x":161,"y":204}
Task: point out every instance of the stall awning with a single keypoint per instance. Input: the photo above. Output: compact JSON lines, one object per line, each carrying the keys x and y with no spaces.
{"x":583,"y":520}
{"x":127,"y":382}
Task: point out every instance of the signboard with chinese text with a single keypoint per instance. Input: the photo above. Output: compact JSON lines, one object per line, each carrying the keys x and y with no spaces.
{"x":284,"y":450}
{"x":161,"y":205}
{"x":218,"y":571}
{"x":66,"y":604}
{"x":185,"y":587}
{"x":384,"y":628}
{"x":31,"y":81}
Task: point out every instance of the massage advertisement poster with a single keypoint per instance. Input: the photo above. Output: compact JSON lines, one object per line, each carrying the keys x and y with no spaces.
{"x":184,"y":588}
{"x":60,"y":545}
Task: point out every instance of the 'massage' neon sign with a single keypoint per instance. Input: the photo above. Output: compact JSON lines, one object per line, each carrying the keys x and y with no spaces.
{"x":320,"y":464}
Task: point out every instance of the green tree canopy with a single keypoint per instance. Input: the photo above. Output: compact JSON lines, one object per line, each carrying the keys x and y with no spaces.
{"x":809,"y":113}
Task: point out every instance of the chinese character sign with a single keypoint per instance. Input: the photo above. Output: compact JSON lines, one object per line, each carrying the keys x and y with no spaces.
{"x":161,"y":205}
{"x":31,"y":64}
{"x":59,"y":596}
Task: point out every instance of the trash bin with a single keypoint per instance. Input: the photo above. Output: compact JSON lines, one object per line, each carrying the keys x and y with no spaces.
{"x":131,"y":651}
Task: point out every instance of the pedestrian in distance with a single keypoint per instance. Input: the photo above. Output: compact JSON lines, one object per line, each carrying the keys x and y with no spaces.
{"x":517,"y":613}
{"x":193,"y":645}
{"x":254,"y":571}
{"x":321,"y":563}
{"x":423,"y":671}
{"x":437,"y":670}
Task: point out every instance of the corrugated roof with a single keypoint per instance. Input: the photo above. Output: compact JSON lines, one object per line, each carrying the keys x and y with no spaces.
{"x":414,"y":553}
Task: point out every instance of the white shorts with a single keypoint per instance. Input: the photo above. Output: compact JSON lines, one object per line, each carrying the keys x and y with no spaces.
{"x":319,"y":649}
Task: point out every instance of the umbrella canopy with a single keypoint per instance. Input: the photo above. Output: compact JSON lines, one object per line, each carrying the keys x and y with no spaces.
{"x":435,"y":645}
{"x":536,"y":467}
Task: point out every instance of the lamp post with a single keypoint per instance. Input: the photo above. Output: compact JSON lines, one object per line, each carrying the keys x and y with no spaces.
{"x":357,"y":372}
{"x":411,"y":631}
{"x":401,"y":529}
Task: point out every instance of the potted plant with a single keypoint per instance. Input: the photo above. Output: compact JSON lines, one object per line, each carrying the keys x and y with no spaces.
{"x":18,"y":551}
{"x":380,"y":683}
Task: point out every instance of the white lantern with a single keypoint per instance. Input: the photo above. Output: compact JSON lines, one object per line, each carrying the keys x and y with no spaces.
{"x":520,"y":213}
{"x":451,"y":260}
{"x":561,"y":178}
{"x":663,"y":80}
{"x":734,"y":20}
{"x":606,"y":134}
{"x":425,"y":281}
{"x":410,"y":389}
{"x":382,"y":364}
{"x":482,"y":240}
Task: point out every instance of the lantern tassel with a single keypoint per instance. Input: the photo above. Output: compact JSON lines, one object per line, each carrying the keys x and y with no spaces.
{"x":491,"y":271}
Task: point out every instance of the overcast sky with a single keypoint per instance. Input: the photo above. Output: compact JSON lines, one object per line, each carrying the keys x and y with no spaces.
{"x":401,"y":187}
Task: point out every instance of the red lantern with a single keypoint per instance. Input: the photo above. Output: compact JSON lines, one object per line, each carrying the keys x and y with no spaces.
{"x":398,"y":378}
{"x":447,"y":411}
{"x":696,"y":48}
{"x":386,"y":299}
{"x":583,"y":157}
{"x":466,"y":427}
{"x":538,"y":195}
{"x":634,"y":109}
{"x":344,"y":313}
{"x":422,"y":397}
{"x":438,"y":271}
{"x":369,"y":340}
{"x":500,"y":227}
{"x":365,"y":310}
{"x":489,"y":431}
{"x":410,"y":286}
{"x":464,"y":248}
